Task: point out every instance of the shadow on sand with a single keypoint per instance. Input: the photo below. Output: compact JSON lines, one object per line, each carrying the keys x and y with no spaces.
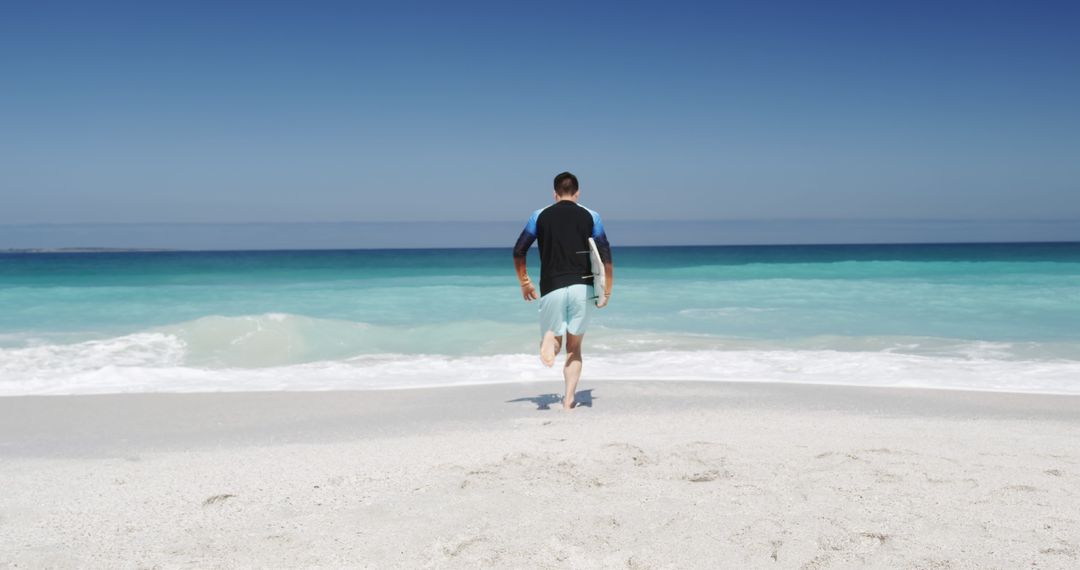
{"x":583,"y":398}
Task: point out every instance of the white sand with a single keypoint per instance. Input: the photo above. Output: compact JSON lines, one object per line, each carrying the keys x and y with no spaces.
{"x":653,"y":475}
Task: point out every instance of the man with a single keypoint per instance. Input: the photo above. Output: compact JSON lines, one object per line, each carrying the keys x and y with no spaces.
{"x":566,"y":289}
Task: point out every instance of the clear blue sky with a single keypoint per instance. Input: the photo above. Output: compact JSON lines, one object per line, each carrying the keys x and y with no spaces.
{"x":331,"y":111}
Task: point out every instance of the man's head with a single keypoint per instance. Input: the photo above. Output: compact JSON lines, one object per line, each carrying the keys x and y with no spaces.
{"x":566,"y":186}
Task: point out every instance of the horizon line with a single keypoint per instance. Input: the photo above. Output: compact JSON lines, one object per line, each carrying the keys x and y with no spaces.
{"x":619,"y":220}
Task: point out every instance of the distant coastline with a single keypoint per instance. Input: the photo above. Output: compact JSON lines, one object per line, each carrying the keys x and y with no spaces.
{"x":82,"y":249}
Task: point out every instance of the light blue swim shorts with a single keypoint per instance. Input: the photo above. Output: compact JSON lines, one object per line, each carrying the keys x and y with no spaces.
{"x":566,"y":309}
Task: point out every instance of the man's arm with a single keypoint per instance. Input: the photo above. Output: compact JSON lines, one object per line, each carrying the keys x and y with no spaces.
{"x":521,"y":250}
{"x":528,"y":290}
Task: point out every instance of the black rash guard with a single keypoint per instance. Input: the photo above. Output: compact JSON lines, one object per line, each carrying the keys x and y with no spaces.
{"x":562,"y":231}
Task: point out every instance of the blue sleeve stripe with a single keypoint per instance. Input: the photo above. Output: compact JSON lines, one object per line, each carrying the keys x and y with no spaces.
{"x":597,"y":225}
{"x":530,"y":226}
{"x":598,"y":234}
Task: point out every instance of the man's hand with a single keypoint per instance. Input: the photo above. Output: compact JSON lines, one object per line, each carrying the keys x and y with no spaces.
{"x":528,"y":291}
{"x":609,"y":282}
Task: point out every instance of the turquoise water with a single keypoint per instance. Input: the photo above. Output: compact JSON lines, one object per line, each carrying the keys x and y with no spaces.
{"x":994,"y":316}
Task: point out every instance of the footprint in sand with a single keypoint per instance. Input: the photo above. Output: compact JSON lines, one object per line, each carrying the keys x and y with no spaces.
{"x":706,"y":476}
{"x":456,"y":546}
{"x":633,"y":452}
{"x":217,"y":499}
{"x":1020,"y":489}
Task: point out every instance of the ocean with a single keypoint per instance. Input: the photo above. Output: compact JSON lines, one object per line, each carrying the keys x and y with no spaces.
{"x":997,"y":317}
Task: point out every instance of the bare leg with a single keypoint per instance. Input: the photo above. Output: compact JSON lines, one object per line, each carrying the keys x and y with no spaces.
{"x":549,"y":348}
{"x":572,"y":368}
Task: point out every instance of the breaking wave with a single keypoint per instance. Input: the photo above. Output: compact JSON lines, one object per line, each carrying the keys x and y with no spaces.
{"x":277,"y":351}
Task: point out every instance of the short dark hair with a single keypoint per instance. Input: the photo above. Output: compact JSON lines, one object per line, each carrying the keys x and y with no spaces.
{"x":566,"y":184}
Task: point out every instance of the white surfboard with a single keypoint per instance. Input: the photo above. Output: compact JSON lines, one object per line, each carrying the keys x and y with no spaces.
{"x":599,"y":277}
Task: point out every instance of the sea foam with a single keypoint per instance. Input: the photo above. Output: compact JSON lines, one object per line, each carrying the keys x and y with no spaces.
{"x":277,"y":351}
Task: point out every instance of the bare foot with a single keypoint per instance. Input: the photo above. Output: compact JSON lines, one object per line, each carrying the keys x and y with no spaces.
{"x":547,"y":349}
{"x":568,"y":406}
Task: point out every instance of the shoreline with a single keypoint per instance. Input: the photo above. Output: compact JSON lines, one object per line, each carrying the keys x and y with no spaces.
{"x":554,"y":382}
{"x":792,"y":366}
{"x":34,"y":424}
